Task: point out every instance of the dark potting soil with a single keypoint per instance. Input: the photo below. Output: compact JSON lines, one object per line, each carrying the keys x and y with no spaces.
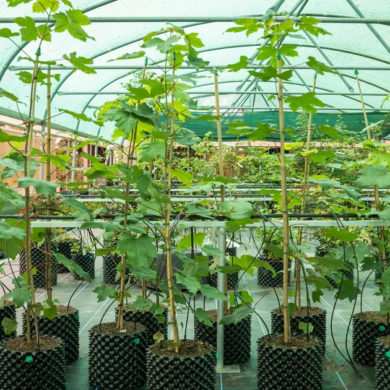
{"x":109,"y":328}
{"x":297,"y":341}
{"x":302,"y":311}
{"x":372,"y":316}
{"x":188,"y":348}
{"x":19,"y":344}
{"x":62,"y":310}
{"x":385,"y":341}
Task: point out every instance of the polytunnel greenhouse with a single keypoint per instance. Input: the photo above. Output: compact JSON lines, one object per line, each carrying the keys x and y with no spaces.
{"x":194,"y":196}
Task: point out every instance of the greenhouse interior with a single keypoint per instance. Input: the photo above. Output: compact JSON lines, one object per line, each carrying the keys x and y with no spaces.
{"x":194,"y":196}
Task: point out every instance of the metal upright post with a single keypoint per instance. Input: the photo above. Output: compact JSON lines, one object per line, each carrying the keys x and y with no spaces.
{"x":221,"y":282}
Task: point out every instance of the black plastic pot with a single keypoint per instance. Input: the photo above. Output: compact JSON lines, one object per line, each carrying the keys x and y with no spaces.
{"x":39,"y":370}
{"x":180,"y":373}
{"x":110,"y":263}
{"x":38,"y":261}
{"x":147,"y":319}
{"x":237,"y":339}
{"x":382,"y":363}
{"x":265,"y":278}
{"x":288,"y":368}
{"x":87,"y":263}
{"x":117,"y":361}
{"x":364,"y":334}
{"x":8,"y":311}
{"x":65,"y":248}
{"x":232,"y":280}
{"x":66,"y":327}
{"x":317,"y":319}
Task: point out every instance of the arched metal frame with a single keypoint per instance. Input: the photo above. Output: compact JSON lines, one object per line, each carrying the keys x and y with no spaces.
{"x":200,"y":21}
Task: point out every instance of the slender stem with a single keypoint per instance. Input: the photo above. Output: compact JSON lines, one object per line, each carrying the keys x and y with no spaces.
{"x":31,"y":307}
{"x":381,"y":232}
{"x":286,"y":318}
{"x":220,"y":159}
{"x":48,"y":262}
{"x":219,"y":134}
{"x":297,"y":296}
{"x":167,"y":230}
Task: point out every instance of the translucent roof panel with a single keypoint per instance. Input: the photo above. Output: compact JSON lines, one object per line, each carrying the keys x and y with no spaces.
{"x":363,"y":44}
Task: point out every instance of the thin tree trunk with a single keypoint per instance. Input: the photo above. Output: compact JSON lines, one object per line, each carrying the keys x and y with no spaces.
{"x":48,"y":268}
{"x":306,"y":170}
{"x":286,"y":318}
{"x":31,"y":307}
{"x":167,"y":230}
{"x":381,"y":232}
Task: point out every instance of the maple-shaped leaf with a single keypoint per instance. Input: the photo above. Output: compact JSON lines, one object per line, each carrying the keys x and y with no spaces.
{"x":80,"y":63}
{"x":72,"y":21}
{"x":270,"y":72}
{"x":306,"y":102}
{"x":7,"y":33}
{"x":242,"y":64}
{"x":318,"y":66}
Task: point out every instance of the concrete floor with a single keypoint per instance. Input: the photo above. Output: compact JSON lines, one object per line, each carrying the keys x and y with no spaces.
{"x":337,"y":373}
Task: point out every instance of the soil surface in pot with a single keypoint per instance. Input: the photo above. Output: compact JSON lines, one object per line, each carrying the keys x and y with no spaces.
{"x":19,"y":344}
{"x":109,"y":328}
{"x":385,"y":341}
{"x":297,"y":341}
{"x":188,"y":348}
{"x":372,"y":316}
{"x":302,"y":311}
{"x":62,"y":310}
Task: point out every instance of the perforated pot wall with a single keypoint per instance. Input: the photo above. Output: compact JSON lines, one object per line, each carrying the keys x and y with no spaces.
{"x":65,"y":327}
{"x":87,"y":263}
{"x":147,"y":319}
{"x":237,"y":339}
{"x":382,"y":364}
{"x":32,"y":370}
{"x":109,"y":268}
{"x":117,"y":362}
{"x":364,"y":335}
{"x":288,"y":369}
{"x":38,"y":261}
{"x":317,"y":320}
{"x":181,"y":373}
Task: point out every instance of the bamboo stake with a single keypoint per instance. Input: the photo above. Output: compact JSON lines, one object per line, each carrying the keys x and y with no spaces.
{"x":167,"y":231}
{"x":48,"y":267}
{"x":221,"y":172}
{"x":286,"y":318}
{"x":381,"y":231}
{"x":130,"y":154}
{"x":297,"y":296}
{"x":219,"y":134}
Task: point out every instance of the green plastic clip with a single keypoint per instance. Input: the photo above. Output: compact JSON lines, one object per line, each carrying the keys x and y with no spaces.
{"x":216,"y":355}
{"x":382,"y":328}
{"x":77,"y":317}
{"x":137,"y":341}
{"x":29,"y":359}
{"x":278,"y":56}
{"x":387,"y":354}
{"x":356,"y":71}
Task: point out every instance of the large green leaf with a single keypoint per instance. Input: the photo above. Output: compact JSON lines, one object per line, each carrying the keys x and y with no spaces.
{"x":103,"y":292}
{"x":72,"y":21}
{"x":8,"y":232}
{"x":318,"y":66}
{"x":80,"y":63}
{"x":151,"y":150}
{"x":202,"y":316}
{"x":306,"y":102}
{"x":140,"y":251}
{"x":374,"y":175}
{"x":237,"y":209}
{"x":72,"y":266}
{"x":191,"y":283}
{"x":211,"y":292}
{"x":238,"y":315}
{"x":41,"y":186}
{"x":9,"y":325}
